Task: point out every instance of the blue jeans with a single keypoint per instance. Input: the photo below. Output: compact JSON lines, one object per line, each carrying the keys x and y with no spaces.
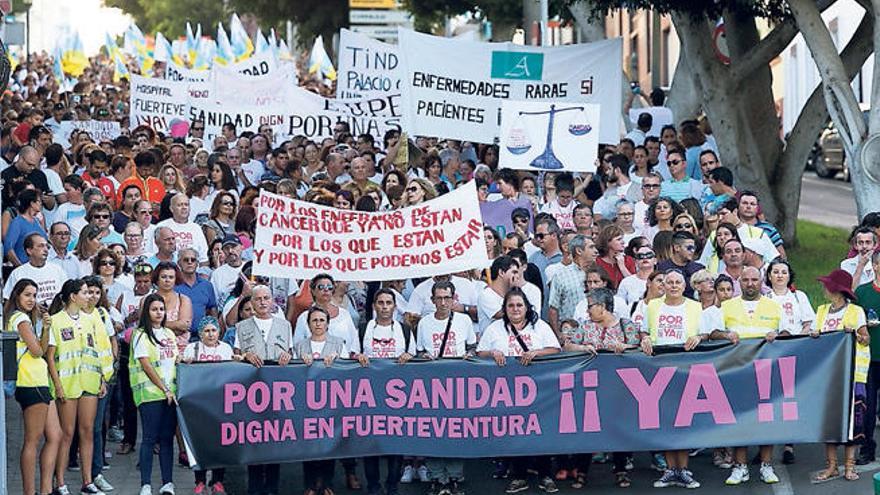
{"x":98,"y":436}
{"x":159,"y":422}
{"x":371,"y":470}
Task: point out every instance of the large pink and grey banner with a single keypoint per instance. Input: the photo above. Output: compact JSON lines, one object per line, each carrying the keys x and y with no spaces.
{"x":795,"y":390}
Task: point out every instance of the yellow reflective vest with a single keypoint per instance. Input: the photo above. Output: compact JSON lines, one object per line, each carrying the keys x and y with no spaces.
{"x":765,"y":319}
{"x":79,"y":347}
{"x":143,"y":389}
{"x":32,"y":371}
{"x":850,"y":320}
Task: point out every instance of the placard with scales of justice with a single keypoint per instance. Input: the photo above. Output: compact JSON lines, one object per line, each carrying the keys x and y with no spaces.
{"x":549,"y":136}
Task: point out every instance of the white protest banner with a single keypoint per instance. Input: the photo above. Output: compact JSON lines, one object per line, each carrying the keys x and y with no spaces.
{"x":177,"y":72}
{"x":296,"y":239}
{"x":155,"y":102}
{"x":538,"y":136}
{"x":454,"y":88}
{"x":99,"y":130}
{"x":257,"y":65}
{"x":367,"y":67}
{"x":304,"y":113}
{"x":268,"y":90}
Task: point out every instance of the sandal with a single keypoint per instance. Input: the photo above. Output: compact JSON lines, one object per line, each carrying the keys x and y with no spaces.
{"x":623,"y":480}
{"x":580,"y":481}
{"x":830,"y":471}
{"x":849,"y":470}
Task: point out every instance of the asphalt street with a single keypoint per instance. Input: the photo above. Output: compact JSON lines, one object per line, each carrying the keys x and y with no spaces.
{"x":827,"y":201}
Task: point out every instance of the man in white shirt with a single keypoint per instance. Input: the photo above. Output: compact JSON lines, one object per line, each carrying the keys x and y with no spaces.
{"x":186,"y":234}
{"x":617,"y":180}
{"x":223,"y":277}
{"x":59,"y":240}
{"x":48,"y":276}
{"x":445,"y":329}
{"x":421,"y":301}
{"x":863,"y":241}
{"x":643,"y":125}
{"x":650,"y":191}
{"x":504,"y":272}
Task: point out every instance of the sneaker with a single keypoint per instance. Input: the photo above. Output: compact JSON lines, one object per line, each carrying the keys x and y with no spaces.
{"x":629,"y":464}
{"x":767,"y":474}
{"x":686,"y":479}
{"x":659,"y":463}
{"x":218,"y":489}
{"x":738,"y":475}
{"x":669,"y":478}
{"x":62,"y":490}
{"x":167,"y":489}
{"x":548,"y":485}
{"x":500,"y":470}
{"x":408,"y":473}
{"x":103,"y":484}
{"x":516,"y":486}
{"x":720,"y":460}
{"x":788,"y":456}
{"x":90,"y":489}
{"x":114,"y":434}
{"x":422,"y":471}
{"x":146,"y":490}
{"x":444,"y":490}
{"x":200,"y":489}
{"x":695,"y":452}
{"x":600,"y":458}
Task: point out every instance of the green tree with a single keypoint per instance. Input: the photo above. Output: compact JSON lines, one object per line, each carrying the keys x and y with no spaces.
{"x":430,"y":15}
{"x":311,"y":17}
{"x":170,"y":16}
{"x":746,"y":128}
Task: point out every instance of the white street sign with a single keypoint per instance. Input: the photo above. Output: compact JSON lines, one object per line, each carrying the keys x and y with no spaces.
{"x":379,"y":17}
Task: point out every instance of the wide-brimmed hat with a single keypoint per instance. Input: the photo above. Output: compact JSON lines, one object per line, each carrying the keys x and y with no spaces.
{"x":838,"y":281}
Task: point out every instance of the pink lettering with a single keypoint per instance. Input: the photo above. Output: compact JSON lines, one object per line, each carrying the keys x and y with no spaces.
{"x":647,"y":395}
{"x":704,"y":377}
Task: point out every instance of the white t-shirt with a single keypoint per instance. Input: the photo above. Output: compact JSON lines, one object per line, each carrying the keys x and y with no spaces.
{"x":223,"y":280}
{"x":386,"y":341}
{"x":56,"y":187}
{"x":188,"y":235}
{"x":49,"y":279}
{"x":715,"y":318}
{"x":264,"y":324}
{"x":342,"y":327}
{"x":631,"y":289}
{"x":488,"y":305}
{"x":536,"y":336}
{"x":673,"y":323}
{"x":420,"y":300}
{"x":431,"y":331}
{"x":533,"y":293}
{"x":849,"y":265}
{"x":638,"y":316}
{"x":220,"y":352}
{"x":564,"y":215}
{"x":317,"y":348}
{"x":167,"y":345}
{"x":796,"y":310}
{"x":253,"y":170}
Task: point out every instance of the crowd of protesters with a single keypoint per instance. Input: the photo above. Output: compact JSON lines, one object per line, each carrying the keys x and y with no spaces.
{"x":124,"y":257}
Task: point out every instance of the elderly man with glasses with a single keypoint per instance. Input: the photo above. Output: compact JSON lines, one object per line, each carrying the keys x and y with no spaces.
{"x":199,"y":290}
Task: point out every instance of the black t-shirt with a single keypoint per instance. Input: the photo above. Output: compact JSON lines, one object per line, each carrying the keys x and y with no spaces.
{"x":12,"y":175}
{"x":688,"y":270}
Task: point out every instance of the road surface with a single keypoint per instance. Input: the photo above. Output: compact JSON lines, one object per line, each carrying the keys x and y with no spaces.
{"x":827,"y":201}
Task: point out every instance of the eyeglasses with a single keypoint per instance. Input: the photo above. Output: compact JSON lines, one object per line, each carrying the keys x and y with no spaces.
{"x":107,"y":263}
{"x":198,"y":128}
{"x":674,"y":162}
{"x":645,"y":256}
{"x":101,"y":217}
{"x":625,"y":214}
{"x":520,"y":220}
{"x":133,"y":236}
{"x":684,"y":226}
{"x":144,"y":212}
{"x":650,"y":186}
{"x":188,"y":260}
{"x":324,"y":287}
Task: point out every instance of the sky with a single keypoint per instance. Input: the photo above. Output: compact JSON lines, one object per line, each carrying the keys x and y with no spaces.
{"x":51,"y":19}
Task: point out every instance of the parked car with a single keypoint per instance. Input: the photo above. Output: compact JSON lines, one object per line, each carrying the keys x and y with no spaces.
{"x":827,"y":157}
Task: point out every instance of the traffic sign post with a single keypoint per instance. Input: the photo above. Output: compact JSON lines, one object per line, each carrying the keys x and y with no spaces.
{"x":379,"y":17}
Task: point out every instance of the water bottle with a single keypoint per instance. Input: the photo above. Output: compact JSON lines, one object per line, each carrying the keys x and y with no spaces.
{"x":873,"y":321}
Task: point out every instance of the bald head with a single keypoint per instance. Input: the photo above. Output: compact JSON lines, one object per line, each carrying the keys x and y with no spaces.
{"x":28,"y":159}
{"x":180,"y":208}
{"x":750,"y":282}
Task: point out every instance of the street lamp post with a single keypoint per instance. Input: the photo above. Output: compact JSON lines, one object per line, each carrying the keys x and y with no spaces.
{"x":27,"y":38}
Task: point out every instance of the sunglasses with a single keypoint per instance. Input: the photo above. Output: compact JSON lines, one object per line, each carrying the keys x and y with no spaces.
{"x":412,"y":189}
{"x":645,"y":256}
{"x":520,"y":220}
{"x":145,"y":212}
{"x":198,"y":128}
{"x":625,"y":214}
{"x":541,"y":237}
{"x":143,"y":269}
{"x":674,"y":162}
{"x":691,"y":247}
{"x":684,"y":226}
{"x":227,"y":203}
{"x":101,"y":217}
{"x":107,"y":263}
{"x":324,"y":287}
{"x":650,"y":186}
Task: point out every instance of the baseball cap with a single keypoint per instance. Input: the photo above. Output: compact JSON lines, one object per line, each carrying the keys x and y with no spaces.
{"x":231,"y":240}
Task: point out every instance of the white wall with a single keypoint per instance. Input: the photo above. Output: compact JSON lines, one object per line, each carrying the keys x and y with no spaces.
{"x":800,"y":74}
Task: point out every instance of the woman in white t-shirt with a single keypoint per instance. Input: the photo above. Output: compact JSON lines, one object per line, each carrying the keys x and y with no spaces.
{"x":797,"y":312}
{"x":520,"y":333}
{"x":341,"y":325}
{"x":653,"y":290}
